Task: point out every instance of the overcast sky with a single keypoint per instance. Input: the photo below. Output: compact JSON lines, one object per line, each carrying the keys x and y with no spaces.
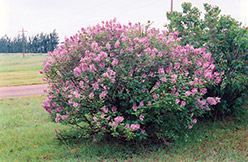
{"x":69,"y":16}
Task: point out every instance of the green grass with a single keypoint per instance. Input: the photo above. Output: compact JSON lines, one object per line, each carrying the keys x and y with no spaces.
{"x":16,"y":70}
{"x":27,"y":134}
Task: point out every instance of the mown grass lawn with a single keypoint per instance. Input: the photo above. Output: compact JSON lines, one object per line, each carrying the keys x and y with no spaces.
{"x":16,"y":70}
{"x":27,"y":134}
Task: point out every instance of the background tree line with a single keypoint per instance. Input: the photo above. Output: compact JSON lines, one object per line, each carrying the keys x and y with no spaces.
{"x":40,"y":43}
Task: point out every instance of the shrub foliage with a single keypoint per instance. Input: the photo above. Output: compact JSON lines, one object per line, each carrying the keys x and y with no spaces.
{"x":227,"y":41}
{"x":129,"y":81}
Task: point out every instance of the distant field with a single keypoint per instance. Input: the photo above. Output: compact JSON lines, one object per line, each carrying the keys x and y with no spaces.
{"x":16,"y":70}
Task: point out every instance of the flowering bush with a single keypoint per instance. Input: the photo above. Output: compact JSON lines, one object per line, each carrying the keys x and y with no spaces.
{"x":227,"y":41}
{"x":128,"y":81}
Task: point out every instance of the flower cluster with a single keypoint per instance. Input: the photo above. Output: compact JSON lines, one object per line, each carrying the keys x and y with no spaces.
{"x":130,"y":81}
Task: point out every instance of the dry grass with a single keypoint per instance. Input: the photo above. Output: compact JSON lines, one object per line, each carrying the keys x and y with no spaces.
{"x":16,"y":70}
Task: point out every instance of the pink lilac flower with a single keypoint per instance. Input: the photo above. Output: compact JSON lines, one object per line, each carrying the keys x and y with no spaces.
{"x":216,"y":74}
{"x":148,"y":50}
{"x":194,"y":91}
{"x":119,"y":118}
{"x":58,"y":117}
{"x":187,"y":93}
{"x":190,"y":127}
{"x":212,"y":67}
{"x":127,"y":126}
{"x":108,"y":118}
{"x":207,"y":108}
{"x":102,"y":116}
{"x":196,"y":80}
{"x":117,"y":44}
{"x":114,"y":109}
{"x":77,"y":71}
{"x":191,"y":83}
{"x":103,"y":55}
{"x":211,"y":101}
{"x":203,"y":91}
{"x":149,"y":103}
{"x":183,"y":103}
{"x":70,"y":101}
{"x":154,"y":51}
{"x":154,"y":96}
{"x":135,"y":126}
{"x":54,"y":104}
{"x":129,"y":49}
{"x":177,"y":65}
{"x":115,"y":124}
{"x":103,"y":94}
{"x":194,"y":121}
{"x":198,"y":62}
{"x":97,"y":59}
{"x":142,"y":130}
{"x":168,"y":70}
{"x":173,"y":78}
{"x":157,"y":84}
{"x":92,"y":68}
{"x":163,"y":79}
{"x":91,"y":95}
{"x":177,"y":101}
{"x":217,"y":80}
{"x":185,"y":61}
{"x":108,"y":46}
{"x":151,"y":74}
{"x":141,"y":117}
{"x":141,"y":104}
{"x":208,"y":74}
{"x":75,"y":104}
{"x":104,"y":127}
{"x":76,"y":94}
{"x":205,"y":65}
{"x":94,"y":118}
{"x":112,"y":80}
{"x":81,"y":83}
{"x":94,"y":46}
{"x":102,"y":65}
{"x":161,"y":70}
{"x":217,"y":99}
{"x":207,"y":56}
{"x":104,"y":109}
{"x":115,"y":62}
{"x":135,"y":107}
{"x":86,"y":79}
{"x":201,"y":103}
{"x":59,"y":109}
{"x":98,"y":123}
{"x":95,"y":86}
{"x":112,"y":54}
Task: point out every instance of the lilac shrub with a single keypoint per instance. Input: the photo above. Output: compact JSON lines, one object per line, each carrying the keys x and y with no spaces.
{"x":128,"y":81}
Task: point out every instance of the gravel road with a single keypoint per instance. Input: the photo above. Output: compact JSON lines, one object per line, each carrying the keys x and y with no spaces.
{"x":28,"y":90}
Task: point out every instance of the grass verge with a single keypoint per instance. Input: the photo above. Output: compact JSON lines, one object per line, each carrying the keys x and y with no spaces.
{"x":27,"y":134}
{"x":16,"y":70}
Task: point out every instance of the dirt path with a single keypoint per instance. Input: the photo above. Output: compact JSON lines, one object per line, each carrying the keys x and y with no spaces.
{"x":28,"y":90}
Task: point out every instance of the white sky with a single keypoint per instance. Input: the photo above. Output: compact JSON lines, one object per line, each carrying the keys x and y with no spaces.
{"x":69,"y":16}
